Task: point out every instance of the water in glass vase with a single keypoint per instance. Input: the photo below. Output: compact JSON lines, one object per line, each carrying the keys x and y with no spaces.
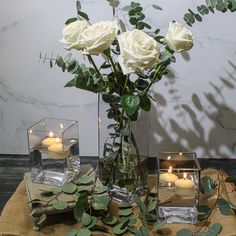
{"x":122,"y":155}
{"x":54,"y":155}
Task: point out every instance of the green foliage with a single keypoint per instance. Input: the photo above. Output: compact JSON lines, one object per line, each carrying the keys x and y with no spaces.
{"x":73,"y":232}
{"x":206,"y":185}
{"x":224,"y":206}
{"x":85,"y":180}
{"x":204,"y":212}
{"x":84,"y":232}
{"x":130,"y":103}
{"x":210,"y":6}
{"x":69,"y":187}
{"x":110,"y":220}
{"x":184,"y":232}
{"x":42,"y":219}
{"x":119,"y":229}
{"x":60,"y":205}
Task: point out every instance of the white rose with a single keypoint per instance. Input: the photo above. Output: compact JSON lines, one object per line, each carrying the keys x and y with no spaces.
{"x":178,"y":38}
{"x":72,"y":34}
{"x":137,"y":50}
{"x":98,"y":37}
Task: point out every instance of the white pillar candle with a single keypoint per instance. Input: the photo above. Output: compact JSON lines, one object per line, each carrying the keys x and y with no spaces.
{"x":168,"y":177}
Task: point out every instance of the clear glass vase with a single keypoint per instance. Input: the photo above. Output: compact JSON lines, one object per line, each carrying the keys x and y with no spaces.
{"x":123,"y":150}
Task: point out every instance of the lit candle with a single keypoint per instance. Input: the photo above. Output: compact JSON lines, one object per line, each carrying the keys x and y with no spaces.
{"x":58,"y":150}
{"x":56,"y":147}
{"x":168,"y":177}
{"x":50,"y":140}
{"x":184,"y":183}
{"x":184,"y":186}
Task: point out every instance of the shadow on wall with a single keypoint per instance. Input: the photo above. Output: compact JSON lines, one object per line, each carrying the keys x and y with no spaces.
{"x":206,"y":125}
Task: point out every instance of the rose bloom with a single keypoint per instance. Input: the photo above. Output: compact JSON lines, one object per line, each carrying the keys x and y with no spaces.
{"x":178,"y":38}
{"x":72,"y":34}
{"x":137,"y":50}
{"x":99,"y":36}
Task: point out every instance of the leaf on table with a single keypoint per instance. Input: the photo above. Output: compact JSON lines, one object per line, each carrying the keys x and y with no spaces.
{"x":184,"y":232}
{"x":42,"y":219}
{"x":60,"y":205}
{"x":69,"y":188}
{"x":86,"y":219}
{"x":224,"y":206}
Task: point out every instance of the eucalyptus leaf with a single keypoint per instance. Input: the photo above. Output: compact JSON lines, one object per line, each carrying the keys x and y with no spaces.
{"x":130,"y":103}
{"x":79,"y":209}
{"x":46,"y":193}
{"x":125,"y":212}
{"x":86,"y":219}
{"x":83,"y":15}
{"x":184,"y":232}
{"x":124,"y":205}
{"x":215,"y":229}
{"x":142,"y":231}
{"x":224,"y":206}
{"x":204,"y":212}
{"x":85,"y":180}
{"x":100,"y":189}
{"x":159,"y":225}
{"x":69,"y":187}
{"x":73,"y":232}
{"x":206,"y":185}
{"x":99,"y":206}
{"x":93,"y":222}
{"x":126,"y":8}
{"x":118,"y":229}
{"x":60,"y":205}
{"x":152,"y":205}
{"x":78,"y":6}
{"x":42,"y":219}
{"x":156,"y":7}
{"x":110,"y":220}
{"x":71,"y":20}
{"x":84,"y":232}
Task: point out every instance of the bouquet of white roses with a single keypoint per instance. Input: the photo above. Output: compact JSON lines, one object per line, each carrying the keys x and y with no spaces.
{"x":134,"y":60}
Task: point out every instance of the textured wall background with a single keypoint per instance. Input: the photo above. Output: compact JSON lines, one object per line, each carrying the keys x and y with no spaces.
{"x":195,"y":107}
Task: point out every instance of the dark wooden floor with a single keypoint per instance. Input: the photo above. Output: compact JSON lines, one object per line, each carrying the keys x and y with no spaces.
{"x":12,"y":168}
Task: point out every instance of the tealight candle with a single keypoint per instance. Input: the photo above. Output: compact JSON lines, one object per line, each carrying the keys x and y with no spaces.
{"x":51,"y":140}
{"x":168,"y":177}
{"x":184,"y":183}
{"x":58,"y":150}
{"x":184,"y":186}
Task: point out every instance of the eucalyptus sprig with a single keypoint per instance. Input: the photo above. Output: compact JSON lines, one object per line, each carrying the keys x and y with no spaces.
{"x":210,"y":6}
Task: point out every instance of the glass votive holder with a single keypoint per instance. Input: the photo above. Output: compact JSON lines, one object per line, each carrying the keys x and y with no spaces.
{"x":178,"y":187}
{"x":54,"y":151}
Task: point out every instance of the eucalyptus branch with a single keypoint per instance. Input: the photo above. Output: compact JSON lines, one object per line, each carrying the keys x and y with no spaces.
{"x":153,"y":79}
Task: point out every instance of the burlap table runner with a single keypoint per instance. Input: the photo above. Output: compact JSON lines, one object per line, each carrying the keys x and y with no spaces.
{"x":15,"y":219}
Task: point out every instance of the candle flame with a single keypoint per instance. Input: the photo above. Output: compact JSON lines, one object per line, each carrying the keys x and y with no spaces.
{"x":185,"y":175}
{"x":50,"y":134}
{"x":169,"y":184}
{"x":180,"y":153}
{"x":170,"y":169}
{"x":169,"y":157}
{"x":30,"y":131}
{"x":61,"y":126}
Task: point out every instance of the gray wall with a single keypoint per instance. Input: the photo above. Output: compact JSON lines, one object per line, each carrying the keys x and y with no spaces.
{"x":195,"y":107}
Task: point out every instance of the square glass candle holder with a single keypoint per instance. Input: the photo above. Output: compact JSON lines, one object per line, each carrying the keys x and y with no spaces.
{"x":54,"y":151}
{"x":178,"y":187}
